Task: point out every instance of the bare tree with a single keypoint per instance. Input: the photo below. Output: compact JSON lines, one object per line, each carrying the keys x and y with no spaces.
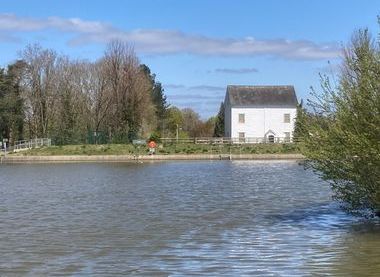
{"x":99,"y":95}
{"x":65,"y":98}
{"x":40,"y":80}
{"x":129,"y":88}
{"x":72,"y":107}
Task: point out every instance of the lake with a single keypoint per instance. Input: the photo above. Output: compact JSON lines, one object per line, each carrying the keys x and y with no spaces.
{"x":220,"y":218}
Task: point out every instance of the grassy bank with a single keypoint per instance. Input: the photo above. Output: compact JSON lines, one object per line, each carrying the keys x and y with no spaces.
{"x":169,"y":149}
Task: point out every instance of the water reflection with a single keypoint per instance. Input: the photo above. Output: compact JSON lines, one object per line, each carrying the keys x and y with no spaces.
{"x":178,"y":218}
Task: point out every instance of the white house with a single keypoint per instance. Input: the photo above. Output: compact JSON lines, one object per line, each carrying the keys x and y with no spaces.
{"x":260,"y":113}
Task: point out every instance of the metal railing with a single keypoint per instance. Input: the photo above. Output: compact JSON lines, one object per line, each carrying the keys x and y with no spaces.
{"x":29,"y":144}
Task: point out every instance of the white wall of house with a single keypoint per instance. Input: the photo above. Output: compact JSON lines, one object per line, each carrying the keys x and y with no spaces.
{"x":259,"y":121}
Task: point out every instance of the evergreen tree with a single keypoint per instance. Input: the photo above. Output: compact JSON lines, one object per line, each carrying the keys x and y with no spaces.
{"x":158,"y":98}
{"x":219,"y":124}
{"x":4,"y":130}
{"x":11,"y":103}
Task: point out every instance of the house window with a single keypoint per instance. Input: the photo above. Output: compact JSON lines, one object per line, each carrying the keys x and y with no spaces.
{"x":287,"y":118}
{"x":241,"y":137}
{"x":287,"y":137}
{"x":271,"y":138}
{"x":241,"y":118}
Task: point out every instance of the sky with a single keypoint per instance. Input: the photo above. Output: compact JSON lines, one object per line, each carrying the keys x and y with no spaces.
{"x":196,"y":48}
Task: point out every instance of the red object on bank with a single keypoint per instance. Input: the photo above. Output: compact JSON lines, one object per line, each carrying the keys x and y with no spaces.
{"x":152,"y":144}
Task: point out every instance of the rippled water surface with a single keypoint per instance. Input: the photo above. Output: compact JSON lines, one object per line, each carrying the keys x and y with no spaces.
{"x":232,"y":218}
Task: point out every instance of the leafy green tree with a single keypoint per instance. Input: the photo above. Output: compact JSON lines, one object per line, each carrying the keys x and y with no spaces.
{"x":341,"y":130}
{"x":206,"y":128}
{"x":219,"y":123}
{"x":174,"y":120}
{"x":191,"y":122}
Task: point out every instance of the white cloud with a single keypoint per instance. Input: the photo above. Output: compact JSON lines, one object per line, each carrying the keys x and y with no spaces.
{"x":236,"y":70}
{"x":8,"y":38}
{"x":152,"y":41}
{"x":198,"y":87}
{"x":173,"y":86}
{"x":196,"y":97}
{"x":11,"y":22}
{"x":207,"y":87}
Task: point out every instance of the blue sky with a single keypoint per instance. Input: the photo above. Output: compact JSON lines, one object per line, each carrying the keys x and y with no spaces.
{"x":196,"y":48}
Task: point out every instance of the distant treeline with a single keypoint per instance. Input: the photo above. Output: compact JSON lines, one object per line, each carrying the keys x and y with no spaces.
{"x":114,"y":99}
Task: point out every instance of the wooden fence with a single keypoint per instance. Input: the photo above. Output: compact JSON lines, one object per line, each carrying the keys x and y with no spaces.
{"x":225,"y":140}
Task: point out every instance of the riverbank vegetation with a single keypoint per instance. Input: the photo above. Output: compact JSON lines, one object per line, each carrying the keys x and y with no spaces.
{"x":341,"y":127}
{"x":162,"y":149}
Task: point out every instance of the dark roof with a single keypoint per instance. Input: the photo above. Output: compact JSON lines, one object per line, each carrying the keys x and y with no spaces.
{"x":275,"y":96}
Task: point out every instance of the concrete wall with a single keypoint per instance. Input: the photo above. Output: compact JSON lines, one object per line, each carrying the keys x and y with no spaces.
{"x":259,"y":121}
{"x":131,"y":158}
